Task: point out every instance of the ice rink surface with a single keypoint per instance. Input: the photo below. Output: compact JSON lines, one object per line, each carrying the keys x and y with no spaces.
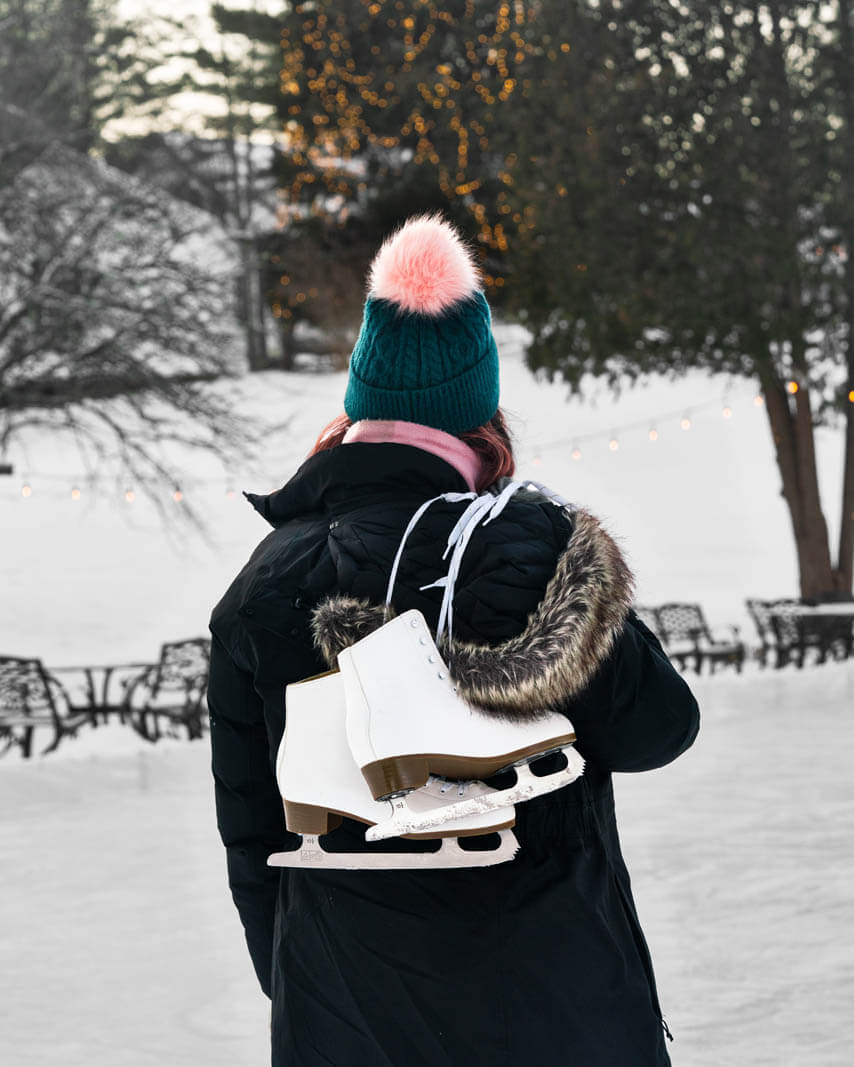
{"x":119,"y":945}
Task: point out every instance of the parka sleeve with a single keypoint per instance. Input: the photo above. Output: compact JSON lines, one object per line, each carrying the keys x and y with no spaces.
{"x":248,"y":806}
{"x":638,"y":713}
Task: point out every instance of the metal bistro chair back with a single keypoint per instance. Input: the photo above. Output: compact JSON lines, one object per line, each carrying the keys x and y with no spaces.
{"x":778,"y":629}
{"x":184,"y":666}
{"x":687,"y":637}
{"x":174,"y":688}
{"x":760,"y":612}
{"x":30,"y":697}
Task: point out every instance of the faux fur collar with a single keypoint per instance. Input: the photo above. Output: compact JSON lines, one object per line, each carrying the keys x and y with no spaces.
{"x":565,"y":640}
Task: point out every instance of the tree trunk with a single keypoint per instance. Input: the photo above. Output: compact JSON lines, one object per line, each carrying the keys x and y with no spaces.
{"x":251,"y":286}
{"x":795,"y":450}
{"x":791,"y":417}
{"x":845,"y":561}
{"x":253,"y":305}
{"x":286,"y":344}
{"x":845,"y":565}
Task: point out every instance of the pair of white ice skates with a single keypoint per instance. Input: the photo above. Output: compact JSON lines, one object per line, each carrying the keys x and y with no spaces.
{"x":387,"y":741}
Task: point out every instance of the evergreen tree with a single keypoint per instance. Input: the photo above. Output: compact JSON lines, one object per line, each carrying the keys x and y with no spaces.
{"x":70,"y":68}
{"x":226,"y":164}
{"x":708,"y":224}
{"x":48,"y":72}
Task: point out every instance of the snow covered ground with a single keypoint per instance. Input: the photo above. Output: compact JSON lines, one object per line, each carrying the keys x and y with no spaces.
{"x":118,"y":941}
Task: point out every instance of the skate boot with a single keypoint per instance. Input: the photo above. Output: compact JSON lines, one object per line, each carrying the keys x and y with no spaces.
{"x":406,"y":723}
{"x":320,"y":783}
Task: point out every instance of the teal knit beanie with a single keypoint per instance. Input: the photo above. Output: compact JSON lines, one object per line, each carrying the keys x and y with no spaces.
{"x":425,"y":352}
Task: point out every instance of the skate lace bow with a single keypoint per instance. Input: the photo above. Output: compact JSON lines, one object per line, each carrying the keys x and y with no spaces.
{"x":481,"y":510}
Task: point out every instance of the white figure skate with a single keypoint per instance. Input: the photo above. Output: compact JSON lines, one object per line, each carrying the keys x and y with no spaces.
{"x":320,"y":783}
{"x":406,"y":723}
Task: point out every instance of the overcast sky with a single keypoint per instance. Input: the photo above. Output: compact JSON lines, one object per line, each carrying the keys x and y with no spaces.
{"x":188,"y":108}
{"x":183,"y":8}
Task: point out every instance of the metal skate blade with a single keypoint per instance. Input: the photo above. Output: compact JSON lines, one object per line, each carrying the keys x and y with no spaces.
{"x":312,"y":856}
{"x":528,"y":785}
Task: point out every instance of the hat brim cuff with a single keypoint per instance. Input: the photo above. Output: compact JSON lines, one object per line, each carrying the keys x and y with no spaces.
{"x":455,"y":405}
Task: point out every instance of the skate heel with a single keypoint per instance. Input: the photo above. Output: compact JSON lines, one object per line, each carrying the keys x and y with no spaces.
{"x":396,"y":774}
{"x":307,"y":819}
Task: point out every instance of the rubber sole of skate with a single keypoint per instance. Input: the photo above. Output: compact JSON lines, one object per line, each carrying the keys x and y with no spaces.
{"x":311,"y":821}
{"x":312,"y":856}
{"x":394,"y":775}
{"x":404,"y":821}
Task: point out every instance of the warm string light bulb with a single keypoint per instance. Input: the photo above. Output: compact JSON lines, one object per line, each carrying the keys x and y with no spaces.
{"x":653,"y":435}
{"x":851,"y":397}
{"x":792,"y":387}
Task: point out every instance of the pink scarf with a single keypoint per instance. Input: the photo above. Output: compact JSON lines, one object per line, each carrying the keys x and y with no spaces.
{"x":444,"y":445}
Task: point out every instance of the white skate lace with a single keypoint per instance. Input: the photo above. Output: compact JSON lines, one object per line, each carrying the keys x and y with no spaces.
{"x":483,"y":509}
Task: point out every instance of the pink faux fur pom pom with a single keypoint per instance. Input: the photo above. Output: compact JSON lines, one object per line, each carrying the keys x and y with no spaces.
{"x":424,"y":267}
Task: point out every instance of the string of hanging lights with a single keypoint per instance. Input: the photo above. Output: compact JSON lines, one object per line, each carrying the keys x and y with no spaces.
{"x":77,"y":487}
{"x":652,"y":425}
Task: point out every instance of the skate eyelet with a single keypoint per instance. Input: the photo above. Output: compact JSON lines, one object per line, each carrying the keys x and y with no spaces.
{"x":442,"y":675}
{"x":422,"y":640}
{"x":431,"y":658}
{"x":413,"y":623}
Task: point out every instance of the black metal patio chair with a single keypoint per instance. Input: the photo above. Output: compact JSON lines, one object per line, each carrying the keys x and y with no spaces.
{"x":172,"y":690}
{"x":687,"y":638}
{"x":31,"y":698}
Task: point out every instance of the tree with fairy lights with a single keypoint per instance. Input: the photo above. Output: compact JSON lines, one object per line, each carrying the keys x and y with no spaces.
{"x":389,"y":107}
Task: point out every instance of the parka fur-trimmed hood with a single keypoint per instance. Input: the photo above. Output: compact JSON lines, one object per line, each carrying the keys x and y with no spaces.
{"x":563,"y":644}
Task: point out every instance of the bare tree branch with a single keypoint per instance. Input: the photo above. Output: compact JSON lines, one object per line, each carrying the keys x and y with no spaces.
{"x":111,"y":330}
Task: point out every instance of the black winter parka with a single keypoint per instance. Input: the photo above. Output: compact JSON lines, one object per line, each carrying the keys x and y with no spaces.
{"x":541,"y":960}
